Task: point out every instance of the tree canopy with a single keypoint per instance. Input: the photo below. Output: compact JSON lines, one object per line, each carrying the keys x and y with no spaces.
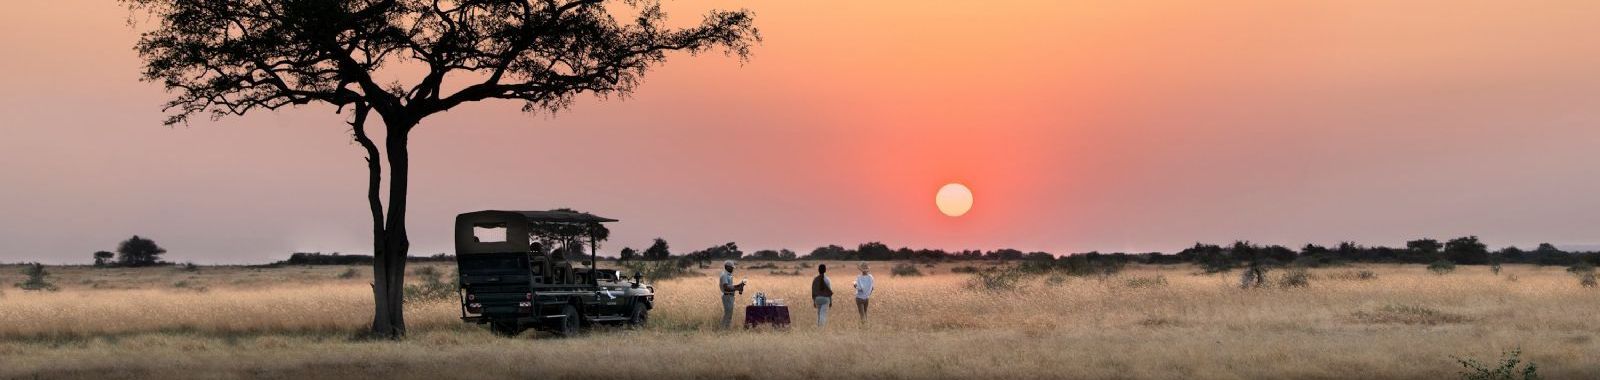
{"x":226,"y":57}
{"x":138,"y":251}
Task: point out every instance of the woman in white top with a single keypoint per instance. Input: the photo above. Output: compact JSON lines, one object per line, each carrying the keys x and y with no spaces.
{"x":863,"y":291}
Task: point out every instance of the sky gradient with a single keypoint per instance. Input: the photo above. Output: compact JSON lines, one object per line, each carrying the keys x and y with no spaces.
{"x":1078,"y":125}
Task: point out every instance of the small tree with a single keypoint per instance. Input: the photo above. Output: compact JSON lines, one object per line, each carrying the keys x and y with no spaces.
{"x":626,"y":254}
{"x":138,"y":251}
{"x":658,"y":250}
{"x":37,"y":278}
{"x":103,"y":258}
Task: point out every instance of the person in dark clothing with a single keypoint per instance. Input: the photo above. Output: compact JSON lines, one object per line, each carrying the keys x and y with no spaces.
{"x":822,"y":294}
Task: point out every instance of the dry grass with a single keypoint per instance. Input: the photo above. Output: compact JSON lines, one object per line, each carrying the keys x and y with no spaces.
{"x":298,"y":322}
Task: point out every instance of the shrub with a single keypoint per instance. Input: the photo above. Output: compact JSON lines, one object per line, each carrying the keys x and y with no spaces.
{"x":1507,"y":369}
{"x":1408,"y":314}
{"x":785,"y":273}
{"x":186,"y":284}
{"x":964,"y":269}
{"x":37,"y":278}
{"x":904,"y":269}
{"x":1581,"y":268}
{"x":189,"y":267}
{"x":1146,"y":282}
{"x":1587,"y":280}
{"x":996,"y":280}
{"x":1295,"y":278}
{"x":1055,"y":279}
{"x":659,"y":270}
{"x":763,"y":266}
{"x":1351,"y":275}
{"x":1442,"y":267}
{"x":349,"y":273}
{"x":426,"y":272}
{"x":432,"y":288}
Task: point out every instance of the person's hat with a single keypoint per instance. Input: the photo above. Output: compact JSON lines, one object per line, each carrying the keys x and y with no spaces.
{"x":727,"y":263}
{"x":863,"y":265}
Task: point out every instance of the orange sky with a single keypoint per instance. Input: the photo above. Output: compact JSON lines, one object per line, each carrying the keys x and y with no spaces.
{"x":1079,"y":125}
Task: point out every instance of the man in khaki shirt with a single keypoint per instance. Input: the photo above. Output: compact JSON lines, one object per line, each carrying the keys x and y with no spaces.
{"x":725,"y":283}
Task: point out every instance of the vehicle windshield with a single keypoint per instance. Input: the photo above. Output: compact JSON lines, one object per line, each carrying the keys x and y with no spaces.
{"x":494,"y":263}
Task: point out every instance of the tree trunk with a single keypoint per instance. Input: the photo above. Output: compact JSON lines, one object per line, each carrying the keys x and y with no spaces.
{"x":389,"y":264}
{"x":389,"y":243}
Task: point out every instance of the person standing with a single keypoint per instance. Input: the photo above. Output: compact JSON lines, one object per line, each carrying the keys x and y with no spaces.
{"x":863,"y":291}
{"x":822,"y":293}
{"x":725,"y":283}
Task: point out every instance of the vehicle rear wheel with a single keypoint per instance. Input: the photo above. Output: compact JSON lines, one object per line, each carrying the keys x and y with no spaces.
{"x":504,"y":327}
{"x":569,"y":323}
{"x":640,"y":315}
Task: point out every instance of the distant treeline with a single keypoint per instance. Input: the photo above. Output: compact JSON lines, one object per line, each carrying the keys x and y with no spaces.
{"x":1212,"y":257}
{"x":1465,"y":250}
{"x":319,"y":258}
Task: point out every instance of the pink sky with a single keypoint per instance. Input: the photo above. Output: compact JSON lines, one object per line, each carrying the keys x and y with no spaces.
{"x":1111,"y":126}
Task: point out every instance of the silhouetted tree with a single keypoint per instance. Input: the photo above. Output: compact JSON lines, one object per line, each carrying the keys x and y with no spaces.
{"x":874,"y":251}
{"x":103,"y":258}
{"x":729,"y":251}
{"x":138,"y":251}
{"x":831,"y":252}
{"x":1424,"y":246}
{"x":658,"y":250}
{"x":626,"y":254}
{"x":231,"y":57}
{"x":1466,"y":250}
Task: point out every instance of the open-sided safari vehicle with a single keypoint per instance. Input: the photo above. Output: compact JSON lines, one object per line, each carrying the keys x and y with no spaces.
{"x":527,"y":269}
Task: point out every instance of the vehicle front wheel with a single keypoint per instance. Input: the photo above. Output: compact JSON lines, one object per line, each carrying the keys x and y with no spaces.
{"x":640,"y":315}
{"x":569,"y":322}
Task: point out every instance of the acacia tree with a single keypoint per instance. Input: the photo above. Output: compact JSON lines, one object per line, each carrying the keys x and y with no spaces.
{"x":232,"y":57}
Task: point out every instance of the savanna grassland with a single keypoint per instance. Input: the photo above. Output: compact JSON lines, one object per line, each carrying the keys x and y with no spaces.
{"x":1145,"y":322}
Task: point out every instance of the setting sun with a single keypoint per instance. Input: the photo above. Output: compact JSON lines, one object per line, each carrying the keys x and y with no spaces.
{"x":953,"y":199}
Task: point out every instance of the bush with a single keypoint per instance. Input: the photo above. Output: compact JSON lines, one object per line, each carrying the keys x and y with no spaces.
{"x":1056,"y":279}
{"x":1146,"y":282}
{"x":426,"y":272}
{"x":432,"y":288}
{"x":996,"y":280}
{"x":1505,"y":370}
{"x":785,"y":273}
{"x":349,"y":273}
{"x":189,"y":267}
{"x":1410,"y":315}
{"x":1588,"y":280}
{"x":763,"y":266}
{"x":1350,"y":275}
{"x":37,"y":278}
{"x":659,"y":270}
{"x":904,"y":269}
{"x":185,"y":284}
{"x":1295,"y":278}
{"x":1581,"y":268}
{"x":964,"y":269}
{"x":1442,"y":267}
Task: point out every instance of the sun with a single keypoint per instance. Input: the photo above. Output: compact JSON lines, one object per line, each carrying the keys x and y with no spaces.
{"x":953,"y":199}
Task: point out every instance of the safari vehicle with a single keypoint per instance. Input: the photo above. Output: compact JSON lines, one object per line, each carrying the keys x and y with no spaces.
{"x":526,"y":269}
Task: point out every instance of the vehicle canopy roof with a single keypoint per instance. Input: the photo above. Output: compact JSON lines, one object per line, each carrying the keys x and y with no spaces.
{"x":523,"y":226}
